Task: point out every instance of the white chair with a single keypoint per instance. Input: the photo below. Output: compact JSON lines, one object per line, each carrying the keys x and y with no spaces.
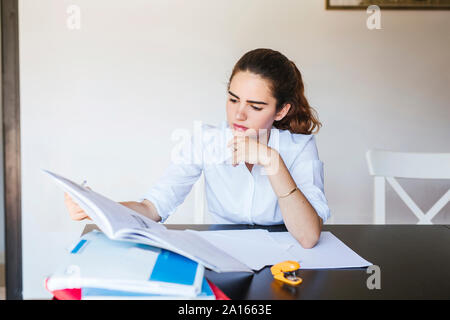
{"x":388,"y":165}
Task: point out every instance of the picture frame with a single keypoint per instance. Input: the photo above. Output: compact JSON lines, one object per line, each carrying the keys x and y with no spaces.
{"x":388,"y":4}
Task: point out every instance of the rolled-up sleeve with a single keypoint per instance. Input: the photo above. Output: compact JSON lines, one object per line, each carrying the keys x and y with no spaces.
{"x":176,"y":182}
{"x":307,"y":172}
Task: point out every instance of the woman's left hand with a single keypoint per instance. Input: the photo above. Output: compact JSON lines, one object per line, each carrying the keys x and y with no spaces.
{"x":246,"y":148}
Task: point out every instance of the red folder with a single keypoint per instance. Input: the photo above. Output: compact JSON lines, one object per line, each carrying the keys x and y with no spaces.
{"x":217,"y":292}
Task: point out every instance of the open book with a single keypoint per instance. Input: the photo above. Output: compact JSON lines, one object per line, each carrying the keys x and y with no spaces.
{"x":121,"y":223}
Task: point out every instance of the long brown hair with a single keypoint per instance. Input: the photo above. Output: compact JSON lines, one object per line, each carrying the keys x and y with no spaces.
{"x":286,"y":85}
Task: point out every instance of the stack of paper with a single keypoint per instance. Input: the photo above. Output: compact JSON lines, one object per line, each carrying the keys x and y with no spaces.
{"x":104,"y":268}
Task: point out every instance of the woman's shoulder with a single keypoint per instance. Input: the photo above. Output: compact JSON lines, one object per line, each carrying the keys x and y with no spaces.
{"x":297,"y":146}
{"x":298,"y":139}
{"x":295,"y":142}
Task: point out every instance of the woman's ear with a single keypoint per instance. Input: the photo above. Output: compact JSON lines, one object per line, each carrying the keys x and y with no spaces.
{"x":283,"y":112}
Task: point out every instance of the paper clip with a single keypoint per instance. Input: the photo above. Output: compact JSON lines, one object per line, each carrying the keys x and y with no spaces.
{"x":286,"y":272}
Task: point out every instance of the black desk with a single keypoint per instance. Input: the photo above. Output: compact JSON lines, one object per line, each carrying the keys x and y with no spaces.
{"x":414,"y":262}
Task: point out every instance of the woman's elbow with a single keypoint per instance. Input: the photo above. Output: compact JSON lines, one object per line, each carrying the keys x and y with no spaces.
{"x":309,"y":242}
{"x":308,"y":238}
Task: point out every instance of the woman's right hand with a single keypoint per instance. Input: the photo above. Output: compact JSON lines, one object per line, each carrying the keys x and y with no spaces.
{"x":75,"y":211}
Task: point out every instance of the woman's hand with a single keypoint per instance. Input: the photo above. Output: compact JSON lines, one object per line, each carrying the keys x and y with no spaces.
{"x":75,"y":211}
{"x":246,"y":148}
{"x":145,"y":208}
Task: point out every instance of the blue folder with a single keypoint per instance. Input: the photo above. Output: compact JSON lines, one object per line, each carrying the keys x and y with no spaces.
{"x":100,"y":265}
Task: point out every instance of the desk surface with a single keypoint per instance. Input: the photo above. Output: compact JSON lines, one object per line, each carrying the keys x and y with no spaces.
{"x":414,"y":263}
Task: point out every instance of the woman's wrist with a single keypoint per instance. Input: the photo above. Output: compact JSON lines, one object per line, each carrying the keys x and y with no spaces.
{"x":272,"y":161}
{"x":151,"y":209}
{"x":145,"y":208}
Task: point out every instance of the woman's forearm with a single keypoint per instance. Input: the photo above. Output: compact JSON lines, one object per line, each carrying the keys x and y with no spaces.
{"x":299,"y":216}
{"x":146,"y":208}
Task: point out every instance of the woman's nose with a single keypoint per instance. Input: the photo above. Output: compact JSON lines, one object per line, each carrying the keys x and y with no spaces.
{"x":240,"y":113}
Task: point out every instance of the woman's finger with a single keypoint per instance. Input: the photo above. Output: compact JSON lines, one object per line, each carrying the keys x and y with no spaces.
{"x":78,"y":216}
{"x":237,"y":157}
{"x":234,"y":140}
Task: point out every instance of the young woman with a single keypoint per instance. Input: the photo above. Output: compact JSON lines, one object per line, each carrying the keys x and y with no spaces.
{"x":275,"y":175}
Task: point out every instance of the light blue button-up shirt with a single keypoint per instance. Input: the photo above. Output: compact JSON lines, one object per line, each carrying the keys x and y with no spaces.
{"x":234,"y":194}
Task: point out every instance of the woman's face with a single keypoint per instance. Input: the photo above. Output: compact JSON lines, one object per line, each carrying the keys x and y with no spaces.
{"x":250,"y":104}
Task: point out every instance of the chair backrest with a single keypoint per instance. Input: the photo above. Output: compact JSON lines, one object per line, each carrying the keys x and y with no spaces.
{"x":409,"y":165}
{"x":388,"y":165}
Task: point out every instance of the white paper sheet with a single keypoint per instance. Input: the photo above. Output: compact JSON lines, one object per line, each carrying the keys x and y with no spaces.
{"x":258,"y":248}
{"x":329,"y":252}
{"x":254,"y":247}
{"x":260,"y":235}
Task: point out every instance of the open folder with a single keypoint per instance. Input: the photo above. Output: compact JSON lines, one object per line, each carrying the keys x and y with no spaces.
{"x":121,"y":223}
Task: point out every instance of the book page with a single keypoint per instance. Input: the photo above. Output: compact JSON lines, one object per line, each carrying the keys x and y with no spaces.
{"x":110,"y":216}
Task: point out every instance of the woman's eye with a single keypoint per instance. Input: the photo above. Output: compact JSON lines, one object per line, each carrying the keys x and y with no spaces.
{"x":253,"y":107}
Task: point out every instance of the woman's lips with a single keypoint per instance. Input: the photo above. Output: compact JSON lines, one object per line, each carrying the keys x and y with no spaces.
{"x":239,"y":128}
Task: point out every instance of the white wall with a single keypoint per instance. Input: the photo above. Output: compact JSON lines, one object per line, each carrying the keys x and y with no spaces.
{"x":100,"y":103}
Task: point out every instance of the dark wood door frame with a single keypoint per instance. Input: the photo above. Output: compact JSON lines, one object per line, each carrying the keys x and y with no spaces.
{"x":11,"y":148}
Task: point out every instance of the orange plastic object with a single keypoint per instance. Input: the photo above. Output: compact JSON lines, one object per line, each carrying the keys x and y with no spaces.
{"x":285,"y":272}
